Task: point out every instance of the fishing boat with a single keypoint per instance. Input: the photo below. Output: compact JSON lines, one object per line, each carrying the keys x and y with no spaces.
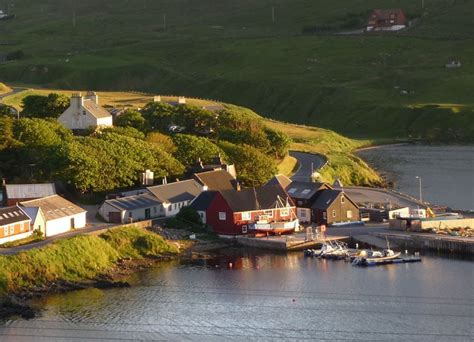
{"x":372,"y":258}
{"x":329,"y":250}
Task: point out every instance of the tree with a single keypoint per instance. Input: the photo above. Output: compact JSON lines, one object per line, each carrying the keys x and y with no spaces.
{"x":253,"y":167}
{"x":110,"y":161}
{"x":191,"y":148}
{"x":158,"y":115}
{"x":127,"y":131}
{"x":279,"y":142}
{"x":131,"y":118}
{"x":195,"y":120}
{"x":51,"y":106}
{"x":163,"y":141}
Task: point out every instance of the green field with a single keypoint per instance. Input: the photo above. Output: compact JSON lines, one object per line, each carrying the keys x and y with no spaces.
{"x":372,"y":86}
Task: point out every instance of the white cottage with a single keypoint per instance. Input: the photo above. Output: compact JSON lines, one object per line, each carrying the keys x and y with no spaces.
{"x":85,"y":112}
{"x":61,"y":215}
{"x":131,"y":208}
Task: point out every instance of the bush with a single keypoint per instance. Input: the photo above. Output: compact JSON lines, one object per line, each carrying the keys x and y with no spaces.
{"x":189,"y":214}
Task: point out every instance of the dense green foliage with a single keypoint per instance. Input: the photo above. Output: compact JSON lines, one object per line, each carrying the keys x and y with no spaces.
{"x":189,"y":149}
{"x":253,"y":167}
{"x":78,"y":258}
{"x":292,"y":68}
{"x":131,"y":118}
{"x":51,"y":106}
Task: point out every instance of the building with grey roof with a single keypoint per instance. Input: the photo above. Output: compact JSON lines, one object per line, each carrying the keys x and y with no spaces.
{"x":16,"y":193}
{"x":14,"y":224}
{"x":132,"y":208}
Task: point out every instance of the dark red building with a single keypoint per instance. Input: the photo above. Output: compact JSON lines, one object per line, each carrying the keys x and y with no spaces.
{"x":267,"y":209}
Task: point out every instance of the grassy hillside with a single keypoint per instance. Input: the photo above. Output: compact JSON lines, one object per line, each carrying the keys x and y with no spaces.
{"x":377,"y":85}
{"x":78,"y":258}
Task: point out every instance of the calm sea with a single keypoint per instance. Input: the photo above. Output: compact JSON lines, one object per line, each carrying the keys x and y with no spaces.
{"x":265,"y":297}
{"x":447,"y":172}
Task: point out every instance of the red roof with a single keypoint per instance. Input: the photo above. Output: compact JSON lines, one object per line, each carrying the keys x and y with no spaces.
{"x":387,"y":17}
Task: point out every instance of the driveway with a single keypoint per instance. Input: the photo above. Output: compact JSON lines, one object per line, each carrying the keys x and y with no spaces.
{"x":308,"y":163}
{"x":13,"y":92}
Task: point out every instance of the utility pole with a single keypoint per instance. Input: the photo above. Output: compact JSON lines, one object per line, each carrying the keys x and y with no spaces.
{"x":419,"y":185}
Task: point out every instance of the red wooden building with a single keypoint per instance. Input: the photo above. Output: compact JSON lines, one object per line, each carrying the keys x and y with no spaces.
{"x":387,"y":20}
{"x":263,"y":210}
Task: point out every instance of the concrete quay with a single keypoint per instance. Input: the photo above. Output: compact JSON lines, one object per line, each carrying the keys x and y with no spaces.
{"x":294,"y":242}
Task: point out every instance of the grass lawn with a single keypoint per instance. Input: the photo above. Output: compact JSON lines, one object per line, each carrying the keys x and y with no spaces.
{"x":4,"y":89}
{"x":26,"y":241}
{"x":288,"y":166}
{"x":379,"y":86}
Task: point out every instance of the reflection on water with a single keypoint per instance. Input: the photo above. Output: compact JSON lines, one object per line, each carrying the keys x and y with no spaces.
{"x":265,"y":297}
{"x":447,"y":172}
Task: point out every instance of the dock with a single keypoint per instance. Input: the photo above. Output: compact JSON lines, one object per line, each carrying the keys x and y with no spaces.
{"x":373,"y":240}
{"x":446,"y":243}
{"x":294,"y":242}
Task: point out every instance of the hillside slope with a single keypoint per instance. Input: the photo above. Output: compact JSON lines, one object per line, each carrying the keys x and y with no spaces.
{"x":379,"y":86}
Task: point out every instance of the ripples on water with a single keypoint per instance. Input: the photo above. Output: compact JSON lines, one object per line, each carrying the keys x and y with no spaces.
{"x":447,"y":172}
{"x":265,"y":297}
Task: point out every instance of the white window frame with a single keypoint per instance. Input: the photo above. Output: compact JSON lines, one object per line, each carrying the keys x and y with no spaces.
{"x":343,"y":200}
{"x":246,"y":216}
{"x":5,"y":230}
{"x":244,"y":229}
{"x":334,"y":214}
{"x":22,"y":227}
{"x":349,"y":214}
{"x":222,"y":216}
{"x":268,"y":213}
{"x":12,"y":229}
{"x":284,"y":212}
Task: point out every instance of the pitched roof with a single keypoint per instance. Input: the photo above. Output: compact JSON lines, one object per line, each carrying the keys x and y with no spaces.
{"x":325,"y":199}
{"x":32,"y":212}
{"x":24,"y":191}
{"x":203,"y":201}
{"x":265,"y":197}
{"x":176,"y":192}
{"x":304,"y":190}
{"x":134,"y":202}
{"x":96,"y":110}
{"x":216,"y":180}
{"x":280,"y":179}
{"x":385,"y":14}
{"x":55,"y":207}
{"x":11,"y":215}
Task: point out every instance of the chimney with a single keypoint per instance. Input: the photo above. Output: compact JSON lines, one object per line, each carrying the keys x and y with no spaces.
{"x":77,"y":101}
{"x":181,"y":100}
{"x":91,"y":95}
{"x":157,"y":98}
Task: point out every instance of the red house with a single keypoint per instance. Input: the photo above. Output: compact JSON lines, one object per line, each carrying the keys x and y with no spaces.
{"x":264,"y":210}
{"x":387,"y":20}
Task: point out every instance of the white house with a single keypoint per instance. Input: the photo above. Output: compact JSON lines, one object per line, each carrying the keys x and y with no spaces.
{"x":85,"y":112}
{"x":14,"y":224}
{"x":131,"y":208}
{"x":174,"y":196}
{"x":38,"y":221}
{"x":61,"y":215}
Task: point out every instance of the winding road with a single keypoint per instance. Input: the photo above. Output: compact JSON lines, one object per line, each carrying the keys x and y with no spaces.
{"x":309,"y":163}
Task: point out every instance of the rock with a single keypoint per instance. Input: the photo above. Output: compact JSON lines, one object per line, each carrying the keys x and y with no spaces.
{"x":107,"y":284}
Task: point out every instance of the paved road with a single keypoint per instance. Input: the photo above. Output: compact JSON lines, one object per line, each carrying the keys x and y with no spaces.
{"x":362,"y":195}
{"x":308,"y":162}
{"x":13,"y":92}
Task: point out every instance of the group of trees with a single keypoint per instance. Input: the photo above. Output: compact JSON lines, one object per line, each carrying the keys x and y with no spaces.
{"x":38,"y":148}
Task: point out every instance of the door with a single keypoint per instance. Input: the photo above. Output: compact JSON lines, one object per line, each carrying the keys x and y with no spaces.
{"x":147,"y":214}
{"x":115,"y":217}
{"x":72,"y":223}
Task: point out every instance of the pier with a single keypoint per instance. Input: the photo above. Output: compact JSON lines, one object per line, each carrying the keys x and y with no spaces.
{"x":294,"y":242}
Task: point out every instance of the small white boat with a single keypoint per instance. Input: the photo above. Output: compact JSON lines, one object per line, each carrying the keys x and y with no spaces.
{"x":371,"y":258}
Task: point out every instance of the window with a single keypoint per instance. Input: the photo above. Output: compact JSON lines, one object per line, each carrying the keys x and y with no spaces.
{"x":324,"y":215}
{"x":303,"y":213}
{"x":284,"y":212}
{"x":154,"y":210}
{"x":334,"y":213}
{"x":5,"y":230}
{"x":244,"y":229}
{"x":83,"y":112}
{"x":349,"y":214}
{"x":12,"y":230}
{"x":222,"y":216}
{"x":292,"y":190}
{"x":343,"y":199}
{"x":269,"y":213}
{"x":300,"y":203}
{"x":22,"y":226}
{"x":130,"y":214}
{"x":306,"y":191}
{"x":245,"y":216}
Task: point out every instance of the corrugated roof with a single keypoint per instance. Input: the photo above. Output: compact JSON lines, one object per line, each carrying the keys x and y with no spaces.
{"x":23,"y":191}
{"x":32,"y":212}
{"x":177,"y":192}
{"x":55,"y":207}
{"x":12,"y":215}
{"x":304,"y":190}
{"x":203,"y":201}
{"x":217,"y":180}
{"x":134,"y":202}
{"x":96,"y":110}
{"x":265,"y":197}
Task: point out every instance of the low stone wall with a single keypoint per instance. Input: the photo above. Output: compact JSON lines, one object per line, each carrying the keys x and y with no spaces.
{"x":419,"y":225}
{"x":138,"y":224}
{"x":261,"y":243}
